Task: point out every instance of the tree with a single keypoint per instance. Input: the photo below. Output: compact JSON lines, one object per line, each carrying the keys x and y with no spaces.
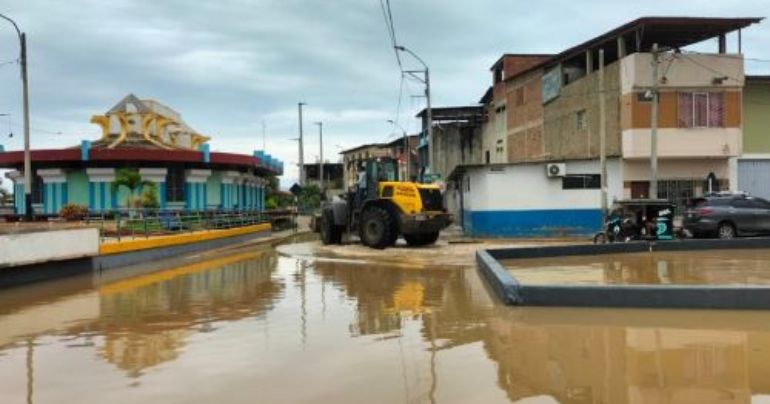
{"x":132,"y":180}
{"x":309,"y":198}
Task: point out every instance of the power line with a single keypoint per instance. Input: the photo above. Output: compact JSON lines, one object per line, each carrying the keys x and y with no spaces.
{"x":388,"y":16}
{"x":726,"y":56}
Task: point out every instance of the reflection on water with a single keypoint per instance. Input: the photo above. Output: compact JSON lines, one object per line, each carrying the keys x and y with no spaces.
{"x":256,"y":327}
{"x":685,"y":267}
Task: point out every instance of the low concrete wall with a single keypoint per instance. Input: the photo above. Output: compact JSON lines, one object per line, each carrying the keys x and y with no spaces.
{"x":117,"y":255}
{"x":510,"y":291}
{"x":165,"y":251}
{"x":43,"y":246}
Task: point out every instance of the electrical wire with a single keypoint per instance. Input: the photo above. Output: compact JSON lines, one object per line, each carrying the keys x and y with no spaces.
{"x":9,"y":62}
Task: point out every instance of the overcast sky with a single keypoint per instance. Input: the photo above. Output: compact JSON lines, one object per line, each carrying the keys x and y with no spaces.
{"x":227,"y":65}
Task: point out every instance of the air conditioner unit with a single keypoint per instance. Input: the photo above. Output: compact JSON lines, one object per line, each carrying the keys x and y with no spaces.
{"x":555,"y":169}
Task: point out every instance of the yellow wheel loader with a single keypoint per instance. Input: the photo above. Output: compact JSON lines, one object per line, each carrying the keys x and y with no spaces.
{"x":380,"y":209}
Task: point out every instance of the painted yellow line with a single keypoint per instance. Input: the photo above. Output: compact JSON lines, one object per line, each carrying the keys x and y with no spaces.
{"x":177,"y":239}
{"x":156,"y":277}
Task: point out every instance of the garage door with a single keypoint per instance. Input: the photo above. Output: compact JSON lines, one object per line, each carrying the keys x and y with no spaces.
{"x":754,"y":177}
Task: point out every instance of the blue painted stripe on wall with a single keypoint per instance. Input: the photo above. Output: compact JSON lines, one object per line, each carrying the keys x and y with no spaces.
{"x":102,"y":195}
{"x":187,"y":195}
{"x":205,"y":187}
{"x":65,"y":197}
{"x":91,"y":196}
{"x":533,"y":223}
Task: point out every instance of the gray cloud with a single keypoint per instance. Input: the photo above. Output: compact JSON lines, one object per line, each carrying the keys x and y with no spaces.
{"x":228,"y":65}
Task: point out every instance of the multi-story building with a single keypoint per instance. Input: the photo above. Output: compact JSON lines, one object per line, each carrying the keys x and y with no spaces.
{"x":354,"y":157}
{"x":408,"y":163}
{"x":754,"y":164}
{"x":540,"y":175}
{"x":332,"y":184}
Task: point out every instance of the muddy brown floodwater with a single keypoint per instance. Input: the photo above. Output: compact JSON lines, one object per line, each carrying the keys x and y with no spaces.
{"x":715,"y":267}
{"x":255,"y":326}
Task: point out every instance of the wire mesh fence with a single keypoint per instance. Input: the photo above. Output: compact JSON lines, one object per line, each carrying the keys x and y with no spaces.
{"x":145,"y":223}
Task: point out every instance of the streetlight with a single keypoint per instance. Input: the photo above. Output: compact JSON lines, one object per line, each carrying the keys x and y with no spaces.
{"x":406,"y":146}
{"x":427,"y":96}
{"x":321,"y":152}
{"x":25,"y":89}
{"x":301,"y":151}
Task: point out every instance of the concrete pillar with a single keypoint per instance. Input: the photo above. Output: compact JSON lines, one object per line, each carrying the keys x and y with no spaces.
{"x":589,"y":61}
{"x":621,"y":48}
{"x":722,"y":44}
{"x":54,"y":189}
{"x":196,"y":192}
{"x":158,"y":177}
{"x":100,"y":195}
{"x":227,"y":189}
{"x":17,"y":177}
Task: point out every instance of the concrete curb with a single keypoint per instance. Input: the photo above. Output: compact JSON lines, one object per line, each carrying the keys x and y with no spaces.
{"x":511,"y":292}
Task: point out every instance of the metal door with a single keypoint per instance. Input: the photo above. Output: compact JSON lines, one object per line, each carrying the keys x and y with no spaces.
{"x":754,"y":177}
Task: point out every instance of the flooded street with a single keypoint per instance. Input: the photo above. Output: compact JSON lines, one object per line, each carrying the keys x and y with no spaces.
{"x":714,"y":267}
{"x":256,"y":326}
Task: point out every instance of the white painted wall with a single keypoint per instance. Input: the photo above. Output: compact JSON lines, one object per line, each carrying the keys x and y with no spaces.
{"x":42,"y":246}
{"x":683,"y":70}
{"x":526,"y":187}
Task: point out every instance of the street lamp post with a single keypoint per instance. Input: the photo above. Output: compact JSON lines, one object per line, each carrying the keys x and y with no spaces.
{"x":301,"y":151}
{"x":25,"y":89}
{"x":406,"y":147}
{"x":321,"y":153}
{"x":429,"y":113}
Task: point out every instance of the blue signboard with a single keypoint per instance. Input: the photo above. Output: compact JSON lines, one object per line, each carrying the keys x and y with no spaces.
{"x":551,"y":84}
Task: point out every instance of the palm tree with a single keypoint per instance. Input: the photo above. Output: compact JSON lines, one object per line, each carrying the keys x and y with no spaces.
{"x":131,"y":179}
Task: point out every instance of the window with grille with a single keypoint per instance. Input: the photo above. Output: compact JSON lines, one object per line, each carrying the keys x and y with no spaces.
{"x":580,"y":120}
{"x":37,"y":189}
{"x":701,"y":110}
{"x":581,"y":181}
{"x":175,"y":184}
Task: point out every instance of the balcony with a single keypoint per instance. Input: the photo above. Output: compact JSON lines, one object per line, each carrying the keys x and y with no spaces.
{"x":682,"y":70}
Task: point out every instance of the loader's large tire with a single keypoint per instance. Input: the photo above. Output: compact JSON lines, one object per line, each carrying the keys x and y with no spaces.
{"x":377,"y":228}
{"x":330,"y":233}
{"x":421,"y":239}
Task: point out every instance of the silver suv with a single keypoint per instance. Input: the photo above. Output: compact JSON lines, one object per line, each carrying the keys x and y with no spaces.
{"x":727,"y":216}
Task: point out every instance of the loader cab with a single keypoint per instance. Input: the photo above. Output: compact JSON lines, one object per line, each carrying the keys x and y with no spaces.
{"x":378,"y":170}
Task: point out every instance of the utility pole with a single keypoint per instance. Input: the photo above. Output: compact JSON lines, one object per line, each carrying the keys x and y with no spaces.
{"x":602,"y":135}
{"x":428,"y":112}
{"x":301,"y":151}
{"x":25,"y":89}
{"x":321,"y":154}
{"x":654,"y":126}
{"x":406,"y":148}
{"x":430,"y":119}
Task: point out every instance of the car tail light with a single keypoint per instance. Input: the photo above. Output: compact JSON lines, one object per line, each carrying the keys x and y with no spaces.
{"x":704,"y":211}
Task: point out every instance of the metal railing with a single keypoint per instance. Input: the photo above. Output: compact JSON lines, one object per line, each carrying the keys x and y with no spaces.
{"x":134,"y":223}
